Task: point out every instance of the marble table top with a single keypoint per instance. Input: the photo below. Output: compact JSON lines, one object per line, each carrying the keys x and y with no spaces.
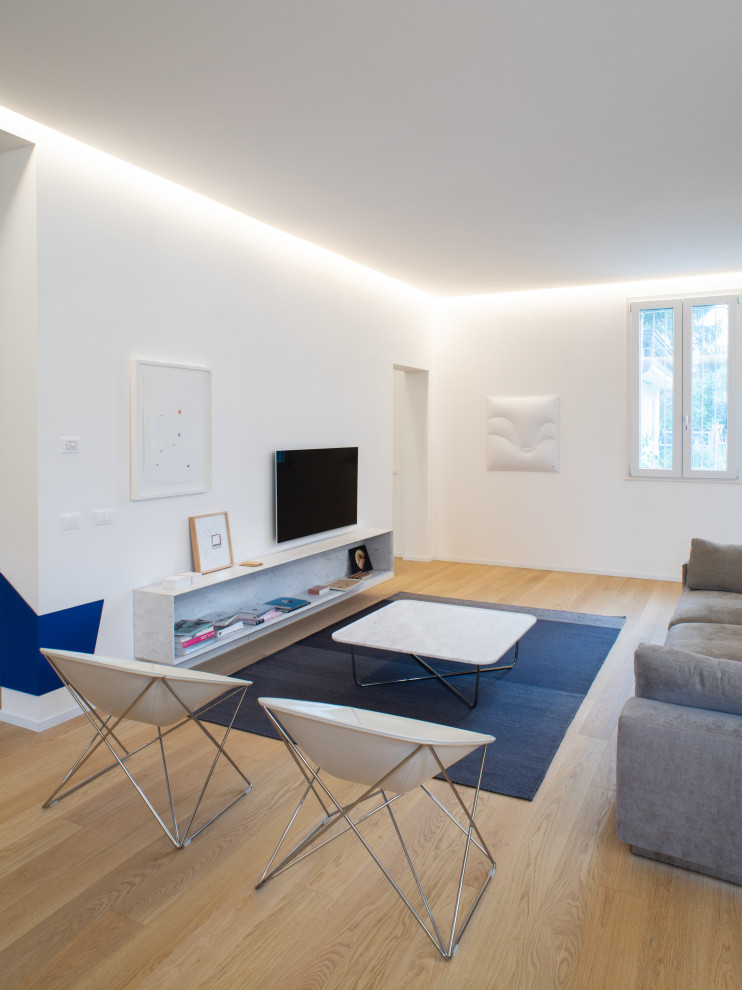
{"x":460,"y":633}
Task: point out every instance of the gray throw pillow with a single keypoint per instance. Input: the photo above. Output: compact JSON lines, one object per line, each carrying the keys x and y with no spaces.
{"x":678,"y":677}
{"x":714,"y":566}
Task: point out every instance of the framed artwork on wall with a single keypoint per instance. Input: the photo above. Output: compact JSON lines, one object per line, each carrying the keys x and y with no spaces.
{"x":170,"y":412}
{"x":211,"y":542}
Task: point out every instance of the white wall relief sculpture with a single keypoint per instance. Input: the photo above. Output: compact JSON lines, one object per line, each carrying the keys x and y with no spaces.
{"x":523,"y":433}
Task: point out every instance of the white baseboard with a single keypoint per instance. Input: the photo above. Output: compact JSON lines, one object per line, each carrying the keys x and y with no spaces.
{"x":38,"y":713}
{"x":556,"y":567}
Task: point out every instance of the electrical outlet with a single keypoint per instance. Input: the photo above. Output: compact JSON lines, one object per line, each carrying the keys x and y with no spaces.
{"x":102,"y":517}
{"x":71,"y":520}
{"x":69,"y":445}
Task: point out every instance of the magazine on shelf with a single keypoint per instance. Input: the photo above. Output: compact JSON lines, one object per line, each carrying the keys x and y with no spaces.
{"x":197,"y":640}
{"x":184,"y":647}
{"x":191,"y":633}
{"x":221,"y":620}
{"x":253,"y":620}
{"x":343,"y":584}
{"x":257,"y":608}
{"x":253,"y":615}
{"x":190,"y":628}
{"x":287,"y":604}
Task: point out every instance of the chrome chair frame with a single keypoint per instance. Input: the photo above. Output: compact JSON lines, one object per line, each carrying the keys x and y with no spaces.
{"x":105,"y":731}
{"x":334,"y":812}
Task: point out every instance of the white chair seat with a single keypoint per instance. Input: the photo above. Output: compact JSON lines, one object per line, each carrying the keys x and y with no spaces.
{"x":114,"y":684}
{"x":364,"y":746}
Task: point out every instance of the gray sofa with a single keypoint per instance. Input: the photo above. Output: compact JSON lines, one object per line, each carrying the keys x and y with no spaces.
{"x":679,"y":758}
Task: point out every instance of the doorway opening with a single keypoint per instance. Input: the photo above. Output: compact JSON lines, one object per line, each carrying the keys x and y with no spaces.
{"x":411,"y":484}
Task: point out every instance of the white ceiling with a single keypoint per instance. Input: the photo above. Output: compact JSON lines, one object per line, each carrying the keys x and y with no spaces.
{"x":462,"y":146}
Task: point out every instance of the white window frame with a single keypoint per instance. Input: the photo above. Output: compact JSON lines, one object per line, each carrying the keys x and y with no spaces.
{"x":682,"y":432}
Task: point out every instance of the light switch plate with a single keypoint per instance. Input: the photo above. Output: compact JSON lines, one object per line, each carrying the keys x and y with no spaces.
{"x":69,"y":445}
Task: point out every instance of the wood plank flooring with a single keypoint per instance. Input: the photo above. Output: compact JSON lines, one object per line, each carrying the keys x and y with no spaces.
{"x":92,"y":894}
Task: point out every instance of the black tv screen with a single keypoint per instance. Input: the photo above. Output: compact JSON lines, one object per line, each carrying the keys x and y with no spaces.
{"x":316,"y":491}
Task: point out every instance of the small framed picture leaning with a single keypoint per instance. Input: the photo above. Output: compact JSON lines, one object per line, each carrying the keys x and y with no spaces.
{"x":211,"y":542}
{"x":360,"y":562}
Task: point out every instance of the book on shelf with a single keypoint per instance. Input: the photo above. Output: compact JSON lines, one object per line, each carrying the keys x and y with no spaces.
{"x":188,"y":628}
{"x":266,"y":613}
{"x":287,"y":604}
{"x":230,"y":630}
{"x":257,"y":608}
{"x":220,"y":620}
{"x":191,"y":634}
{"x":351,"y":581}
{"x":253,"y":620}
{"x":253,"y":615}
{"x":319,"y":589}
{"x":184,"y":649}
{"x":228,"y":623}
{"x":197,"y":640}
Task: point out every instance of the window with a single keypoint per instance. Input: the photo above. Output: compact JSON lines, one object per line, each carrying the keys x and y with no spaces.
{"x":684,"y":387}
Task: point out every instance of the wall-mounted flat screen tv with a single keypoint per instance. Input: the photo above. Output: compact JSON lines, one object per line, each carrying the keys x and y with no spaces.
{"x":316,"y":491}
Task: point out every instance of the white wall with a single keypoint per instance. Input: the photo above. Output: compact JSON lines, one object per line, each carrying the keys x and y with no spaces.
{"x":18,"y":386}
{"x":301,"y":343}
{"x":588,"y":517}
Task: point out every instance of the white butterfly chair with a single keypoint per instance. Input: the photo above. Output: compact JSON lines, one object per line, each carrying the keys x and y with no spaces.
{"x":390,"y":756}
{"x":110,"y":691}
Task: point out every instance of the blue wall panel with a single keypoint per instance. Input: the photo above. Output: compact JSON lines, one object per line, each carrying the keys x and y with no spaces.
{"x":22,"y":667}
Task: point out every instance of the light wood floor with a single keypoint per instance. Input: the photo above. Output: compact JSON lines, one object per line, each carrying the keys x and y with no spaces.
{"x":92,"y":895}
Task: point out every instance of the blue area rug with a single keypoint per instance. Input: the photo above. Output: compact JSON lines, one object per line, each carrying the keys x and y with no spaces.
{"x":528,"y":709}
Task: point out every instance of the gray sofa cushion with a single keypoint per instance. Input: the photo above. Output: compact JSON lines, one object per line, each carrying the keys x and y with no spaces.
{"x":681,"y":678}
{"x":710,"y":639}
{"x":714,"y":566}
{"x":708,"y":606}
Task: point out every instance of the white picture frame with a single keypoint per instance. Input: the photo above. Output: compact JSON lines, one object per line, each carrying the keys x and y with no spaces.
{"x":170,"y":431}
{"x":211,"y":542}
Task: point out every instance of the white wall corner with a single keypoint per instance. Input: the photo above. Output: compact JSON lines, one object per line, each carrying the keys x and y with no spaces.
{"x":38,"y":712}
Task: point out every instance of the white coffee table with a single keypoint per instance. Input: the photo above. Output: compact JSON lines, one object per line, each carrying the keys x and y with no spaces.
{"x":477,"y":637}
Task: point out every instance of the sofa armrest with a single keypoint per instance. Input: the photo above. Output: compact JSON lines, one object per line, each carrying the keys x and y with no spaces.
{"x":684,"y":574}
{"x":678,"y":796}
{"x":678,"y":677}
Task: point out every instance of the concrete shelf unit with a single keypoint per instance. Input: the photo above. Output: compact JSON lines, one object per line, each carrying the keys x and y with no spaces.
{"x":284,"y":574}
